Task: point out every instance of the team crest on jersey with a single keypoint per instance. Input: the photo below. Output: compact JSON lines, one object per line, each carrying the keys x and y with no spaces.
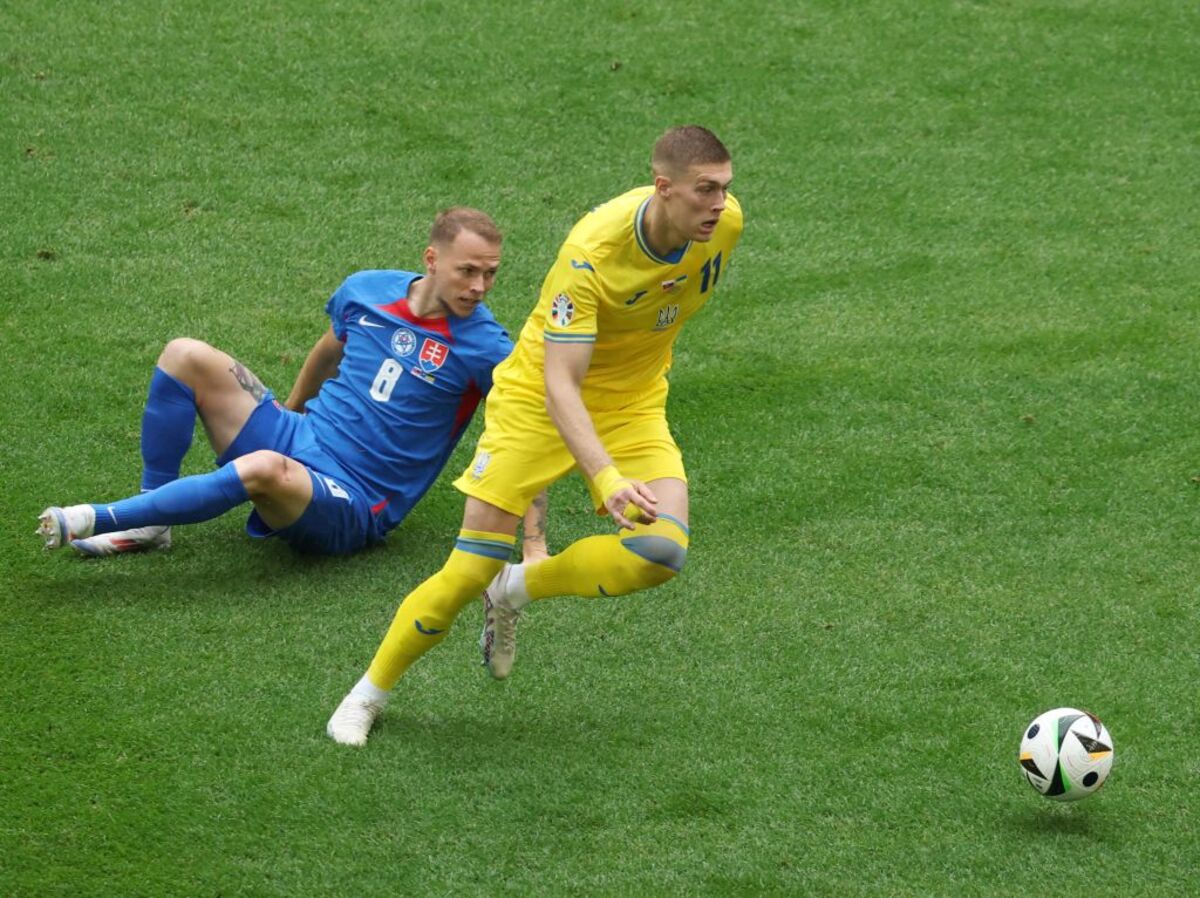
{"x":481,"y":463}
{"x":667,"y":316}
{"x":562,"y":310}
{"x":404,"y":342}
{"x":433,"y":355}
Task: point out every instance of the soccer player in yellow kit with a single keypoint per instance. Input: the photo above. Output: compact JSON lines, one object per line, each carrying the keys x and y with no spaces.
{"x":585,"y":388}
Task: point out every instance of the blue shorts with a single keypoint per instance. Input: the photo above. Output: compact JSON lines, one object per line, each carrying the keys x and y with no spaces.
{"x":339,"y":519}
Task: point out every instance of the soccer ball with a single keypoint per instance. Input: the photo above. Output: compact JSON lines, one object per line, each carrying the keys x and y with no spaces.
{"x":1066,"y":754}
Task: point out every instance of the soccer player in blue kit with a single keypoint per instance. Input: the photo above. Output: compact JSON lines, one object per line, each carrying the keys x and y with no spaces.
{"x":387,"y":390}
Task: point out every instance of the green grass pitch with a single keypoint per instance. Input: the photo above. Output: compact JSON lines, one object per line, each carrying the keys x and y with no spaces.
{"x":941,"y":421}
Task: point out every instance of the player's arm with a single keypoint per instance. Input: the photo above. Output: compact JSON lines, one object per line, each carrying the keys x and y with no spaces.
{"x":533,"y":539}
{"x":321,"y":364}
{"x":566,"y":366}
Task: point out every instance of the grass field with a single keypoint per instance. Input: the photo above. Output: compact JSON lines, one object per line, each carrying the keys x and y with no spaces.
{"x":940,"y":422}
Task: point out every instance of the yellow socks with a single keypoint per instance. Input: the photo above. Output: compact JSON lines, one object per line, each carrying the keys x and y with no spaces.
{"x":614,"y":565}
{"x":646,"y":556}
{"x":425,"y":615}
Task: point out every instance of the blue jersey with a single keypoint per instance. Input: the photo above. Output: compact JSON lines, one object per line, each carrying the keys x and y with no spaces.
{"x":405,"y":389}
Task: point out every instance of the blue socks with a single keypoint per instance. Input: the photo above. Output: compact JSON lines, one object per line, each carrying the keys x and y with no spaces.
{"x":183,"y":501}
{"x":167,"y":427}
{"x":168,"y":424}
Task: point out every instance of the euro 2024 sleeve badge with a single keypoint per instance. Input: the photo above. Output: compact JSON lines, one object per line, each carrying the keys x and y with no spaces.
{"x":562,"y":310}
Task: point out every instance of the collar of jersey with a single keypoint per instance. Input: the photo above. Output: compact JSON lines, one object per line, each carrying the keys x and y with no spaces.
{"x":401,"y":309}
{"x":673,"y":257}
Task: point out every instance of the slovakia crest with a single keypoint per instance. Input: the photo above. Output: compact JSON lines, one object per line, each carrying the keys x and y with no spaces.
{"x":562,"y":310}
{"x":404,"y":342}
{"x":433,"y":355}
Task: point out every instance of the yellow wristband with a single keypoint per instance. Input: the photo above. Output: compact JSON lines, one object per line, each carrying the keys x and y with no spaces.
{"x":607,"y":481}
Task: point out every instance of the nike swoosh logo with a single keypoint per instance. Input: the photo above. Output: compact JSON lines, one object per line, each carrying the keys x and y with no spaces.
{"x":636,"y":297}
{"x":432,"y":631}
{"x":367,"y":322}
{"x":585,"y":265}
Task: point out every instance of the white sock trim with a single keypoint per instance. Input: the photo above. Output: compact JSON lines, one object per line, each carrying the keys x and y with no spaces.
{"x":514,"y":587}
{"x":364,"y":688}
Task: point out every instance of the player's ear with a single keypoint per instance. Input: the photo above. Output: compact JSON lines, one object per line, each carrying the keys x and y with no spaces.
{"x":662,"y":185}
{"x":430,"y":258}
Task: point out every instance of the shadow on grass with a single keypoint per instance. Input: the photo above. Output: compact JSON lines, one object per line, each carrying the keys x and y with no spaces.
{"x":1069,"y":822}
{"x":221,"y":568}
{"x":509,"y":736}
{"x":445,"y":735}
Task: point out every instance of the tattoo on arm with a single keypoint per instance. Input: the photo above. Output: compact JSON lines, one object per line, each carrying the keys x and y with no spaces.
{"x":247,"y":381}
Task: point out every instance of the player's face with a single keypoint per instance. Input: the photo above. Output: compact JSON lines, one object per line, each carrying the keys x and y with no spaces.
{"x":695,"y":199}
{"x":462,"y":272}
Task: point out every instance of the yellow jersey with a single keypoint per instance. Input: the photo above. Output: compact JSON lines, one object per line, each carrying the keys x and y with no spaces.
{"x":610,"y":289}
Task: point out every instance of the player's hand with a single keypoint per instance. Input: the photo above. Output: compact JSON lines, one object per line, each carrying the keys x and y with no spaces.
{"x":633,"y":503}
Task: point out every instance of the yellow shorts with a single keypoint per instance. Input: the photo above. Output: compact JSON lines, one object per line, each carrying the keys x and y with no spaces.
{"x":521,"y":452}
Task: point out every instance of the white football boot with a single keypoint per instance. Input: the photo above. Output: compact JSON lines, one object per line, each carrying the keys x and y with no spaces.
{"x":139,"y":539}
{"x":498,"y":641}
{"x":352,"y":721}
{"x":59,"y":526}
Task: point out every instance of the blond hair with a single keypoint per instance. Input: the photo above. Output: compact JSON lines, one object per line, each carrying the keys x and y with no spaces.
{"x":450,"y":221}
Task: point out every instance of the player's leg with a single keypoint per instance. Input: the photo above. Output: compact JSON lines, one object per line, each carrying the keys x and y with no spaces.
{"x":190,"y":375}
{"x":517,"y":457}
{"x":225,"y":391}
{"x":314,"y":506}
{"x":533,"y":530}
{"x":484,"y":544}
{"x":640,"y":443}
{"x":613,"y":564}
{"x":607,"y":565}
{"x":279,"y":486}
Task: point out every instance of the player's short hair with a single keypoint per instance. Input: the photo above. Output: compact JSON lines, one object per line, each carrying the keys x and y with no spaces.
{"x":681,"y":148}
{"x":450,"y":221}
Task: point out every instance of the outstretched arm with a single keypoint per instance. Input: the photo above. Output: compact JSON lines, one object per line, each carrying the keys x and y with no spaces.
{"x":566,"y":366}
{"x":321,"y":364}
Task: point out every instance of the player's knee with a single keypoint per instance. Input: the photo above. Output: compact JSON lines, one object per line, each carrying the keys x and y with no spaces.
{"x":196,"y":363}
{"x":660,"y":551}
{"x":182,"y":354}
{"x":265,"y":473}
{"x":649,"y":560}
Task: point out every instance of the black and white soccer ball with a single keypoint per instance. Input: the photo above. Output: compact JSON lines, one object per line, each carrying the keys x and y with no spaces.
{"x":1066,"y":754}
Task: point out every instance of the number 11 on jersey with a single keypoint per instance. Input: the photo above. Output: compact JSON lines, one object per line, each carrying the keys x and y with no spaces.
{"x":711,"y":267}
